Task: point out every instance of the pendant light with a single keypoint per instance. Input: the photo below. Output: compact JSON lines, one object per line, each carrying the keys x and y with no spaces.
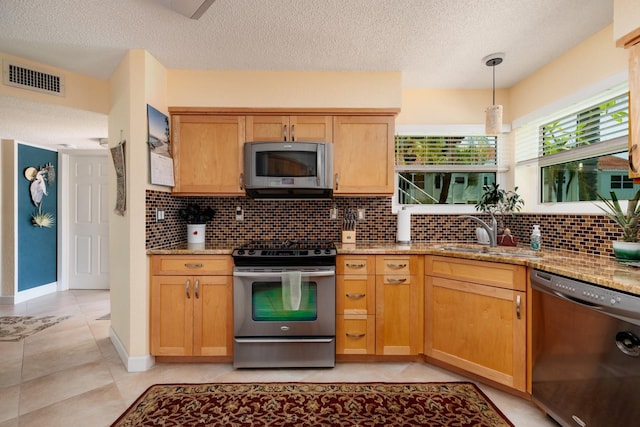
{"x":493,"y":113}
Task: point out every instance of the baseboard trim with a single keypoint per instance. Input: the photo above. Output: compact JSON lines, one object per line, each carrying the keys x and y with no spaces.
{"x":36,"y":292}
{"x":131,"y":363}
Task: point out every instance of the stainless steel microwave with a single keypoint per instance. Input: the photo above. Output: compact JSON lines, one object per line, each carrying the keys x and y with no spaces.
{"x":288,"y":169}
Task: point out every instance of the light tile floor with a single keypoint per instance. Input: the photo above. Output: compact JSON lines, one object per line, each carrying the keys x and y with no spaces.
{"x":70,"y":374}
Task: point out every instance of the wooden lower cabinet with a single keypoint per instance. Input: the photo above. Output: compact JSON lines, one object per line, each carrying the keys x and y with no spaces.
{"x":399,"y":308}
{"x":475,"y":317}
{"x":355,"y":305}
{"x":191,"y":315}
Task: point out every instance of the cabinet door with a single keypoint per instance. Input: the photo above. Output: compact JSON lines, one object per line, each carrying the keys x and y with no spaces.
{"x":479,"y":328}
{"x":398,"y":315}
{"x":290,"y":128}
{"x":363,"y":154}
{"x":267,"y":128}
{"x":634,"y":111}
{"x":172,"y":315}
{"x":207,"y":152}
{"x":311,"y":128}
{"x":213,"y":316}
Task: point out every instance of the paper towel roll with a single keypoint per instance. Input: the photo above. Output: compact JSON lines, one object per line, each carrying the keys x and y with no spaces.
{"x":404,"y":226}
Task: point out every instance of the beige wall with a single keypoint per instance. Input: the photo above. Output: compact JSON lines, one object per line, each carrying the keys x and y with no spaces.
{"x":440,"y":106}
{"x":591,"y":61}
{"x":138,"y":80}
{"x":626,"y":17}
{"x":284,"y":89}
{"x":7,"y":218}
{"x":81,"y":92}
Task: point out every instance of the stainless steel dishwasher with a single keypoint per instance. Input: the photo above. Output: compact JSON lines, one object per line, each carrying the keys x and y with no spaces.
{"x":586,"y":352}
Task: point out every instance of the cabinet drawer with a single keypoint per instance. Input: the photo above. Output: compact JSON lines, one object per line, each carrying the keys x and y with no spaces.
{"x":394,"y":265}
{"x":355,"y":265}
{"x":507,"y":276}
{"x":355,"y":334}
{"x":355,"y":294}
{"x":191,"y":265}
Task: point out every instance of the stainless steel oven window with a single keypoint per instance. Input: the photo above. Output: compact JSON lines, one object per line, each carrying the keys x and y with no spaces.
{"x":276,"y":302}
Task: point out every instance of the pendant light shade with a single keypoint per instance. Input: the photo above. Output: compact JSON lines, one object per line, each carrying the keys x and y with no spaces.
{"x":493,"y":113}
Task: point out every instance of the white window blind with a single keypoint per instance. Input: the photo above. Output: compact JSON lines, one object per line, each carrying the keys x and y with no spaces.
{"x":454,"y":152}
{"x":575,"y":131}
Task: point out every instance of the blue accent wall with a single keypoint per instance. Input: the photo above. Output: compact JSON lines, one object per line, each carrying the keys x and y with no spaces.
{"x":37,"y":246}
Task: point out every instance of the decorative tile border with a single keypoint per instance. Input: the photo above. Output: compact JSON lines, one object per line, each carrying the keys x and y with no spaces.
{"x":309,"y":219}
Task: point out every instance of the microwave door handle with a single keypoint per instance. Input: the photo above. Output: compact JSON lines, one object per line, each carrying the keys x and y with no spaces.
{"x":279,"y":274}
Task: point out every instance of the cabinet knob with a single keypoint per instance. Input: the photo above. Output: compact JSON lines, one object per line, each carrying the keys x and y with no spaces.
{"x":337,"y":179}
{"x":393,"y":281}
{"x":187,"y":290}
{"x":518,"y":303}
{"x":241,"y":181}
{"x":293,"y":133}
{"x":284,"y":133}
{"x":355,"y":296}
{"x":196,"y":290}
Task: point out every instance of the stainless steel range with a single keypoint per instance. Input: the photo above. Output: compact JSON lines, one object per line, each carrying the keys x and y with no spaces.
{"x":284,"y":296}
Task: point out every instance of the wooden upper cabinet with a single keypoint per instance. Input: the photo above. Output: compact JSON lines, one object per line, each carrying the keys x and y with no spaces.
{"x":634,"y":111}
{"x":289,"y":128}
{"x":363,"y":155}
{"x":207,"y":154}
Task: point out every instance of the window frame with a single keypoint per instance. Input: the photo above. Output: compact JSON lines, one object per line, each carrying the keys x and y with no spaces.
{"x":501,"y":168}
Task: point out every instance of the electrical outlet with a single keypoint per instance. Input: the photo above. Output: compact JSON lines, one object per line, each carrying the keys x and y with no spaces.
{"x":239,"y":214}
{"x":361,"y":214}
{"x":159,"y":215}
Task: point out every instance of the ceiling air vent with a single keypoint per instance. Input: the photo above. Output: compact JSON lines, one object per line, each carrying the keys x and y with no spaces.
{"x":29,"y":78}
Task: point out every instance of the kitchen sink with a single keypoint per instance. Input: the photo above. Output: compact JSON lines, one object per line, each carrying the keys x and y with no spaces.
{"x":504,"y":251}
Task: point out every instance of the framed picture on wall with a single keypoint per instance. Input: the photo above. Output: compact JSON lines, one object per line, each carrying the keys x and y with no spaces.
{"x":159,"y":141}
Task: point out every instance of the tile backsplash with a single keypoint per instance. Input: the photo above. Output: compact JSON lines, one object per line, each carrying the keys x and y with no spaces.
{"x":310,"y":219}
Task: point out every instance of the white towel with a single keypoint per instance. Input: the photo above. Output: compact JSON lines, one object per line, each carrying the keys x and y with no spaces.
{"x":291,"y":290}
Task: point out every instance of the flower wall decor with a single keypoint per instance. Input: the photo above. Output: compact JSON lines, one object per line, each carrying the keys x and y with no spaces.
{"x":39,"y":178}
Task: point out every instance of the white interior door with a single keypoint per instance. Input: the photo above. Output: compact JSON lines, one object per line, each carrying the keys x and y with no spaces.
{"x":88,"y":223}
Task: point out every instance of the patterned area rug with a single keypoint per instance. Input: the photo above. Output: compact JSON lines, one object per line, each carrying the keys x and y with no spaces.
{"x":15,"y":328}
{"x":460,"y":404}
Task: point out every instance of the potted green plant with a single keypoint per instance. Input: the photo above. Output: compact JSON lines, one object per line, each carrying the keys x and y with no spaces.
{"x":627,"y":249}
{"x":196,"y":219}
{"x":497,"y":201}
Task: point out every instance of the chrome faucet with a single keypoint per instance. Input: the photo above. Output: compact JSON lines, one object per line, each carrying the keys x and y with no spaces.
{"x":492,"y":230}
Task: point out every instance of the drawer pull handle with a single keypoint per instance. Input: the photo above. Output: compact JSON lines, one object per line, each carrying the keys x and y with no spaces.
{"x":193,"y":265}
{"x":396,"y":266}
{"x":352,"y":335}
{"x":518,"y":302}
{"x":395,"y":281}
{"x":355,"y":265}
{"x":187,"y":290}
{"x":355,"y":296}
{"x":197,"y":289}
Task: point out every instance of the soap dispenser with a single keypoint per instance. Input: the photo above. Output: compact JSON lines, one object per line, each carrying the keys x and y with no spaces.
{"x":536,"y":238}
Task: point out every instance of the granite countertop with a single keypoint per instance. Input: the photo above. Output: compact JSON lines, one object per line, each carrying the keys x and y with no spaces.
{"x":604,"y":271}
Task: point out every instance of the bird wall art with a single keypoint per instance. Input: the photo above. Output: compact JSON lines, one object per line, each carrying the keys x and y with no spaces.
{"x":39,"y":178}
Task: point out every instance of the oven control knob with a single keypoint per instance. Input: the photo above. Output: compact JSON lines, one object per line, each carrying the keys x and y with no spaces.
{"x":251,"y":252}
{"x":317,"y":252}
{"x":240,"y":251}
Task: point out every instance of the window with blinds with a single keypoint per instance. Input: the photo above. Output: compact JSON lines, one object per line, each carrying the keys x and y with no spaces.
{"x":444,"y":169}
{"x":600,"y":123}
{"x":583,"y":153}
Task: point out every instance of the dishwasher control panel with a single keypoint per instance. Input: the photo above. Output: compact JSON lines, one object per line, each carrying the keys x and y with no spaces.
{"x":609,"y":301}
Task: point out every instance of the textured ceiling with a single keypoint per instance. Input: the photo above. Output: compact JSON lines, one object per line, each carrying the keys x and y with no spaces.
{"x":434,"y":43}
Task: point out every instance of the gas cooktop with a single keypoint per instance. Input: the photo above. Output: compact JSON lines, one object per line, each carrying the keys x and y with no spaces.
{"x":285,"y":252}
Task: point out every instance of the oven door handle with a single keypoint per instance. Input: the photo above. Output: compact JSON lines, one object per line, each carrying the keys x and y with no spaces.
{"x":279,"y":274}
{"x":282,"y":340}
